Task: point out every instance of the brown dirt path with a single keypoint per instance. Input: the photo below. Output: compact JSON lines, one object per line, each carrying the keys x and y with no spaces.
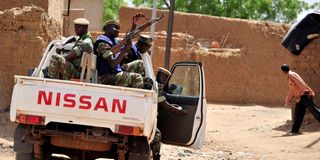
{"x":240,"y":133}
{"x":249,"y":133}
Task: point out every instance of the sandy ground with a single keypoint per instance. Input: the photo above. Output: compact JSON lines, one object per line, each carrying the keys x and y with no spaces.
{"x":239,"y":133}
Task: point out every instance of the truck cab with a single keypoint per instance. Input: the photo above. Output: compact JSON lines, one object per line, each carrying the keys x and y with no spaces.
{"x":86,"y":120}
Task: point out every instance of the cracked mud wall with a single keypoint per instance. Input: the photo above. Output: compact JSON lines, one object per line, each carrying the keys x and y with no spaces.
{"x":25,"y":34}
{"x":253,"y":76}
{"x":54,"y":8}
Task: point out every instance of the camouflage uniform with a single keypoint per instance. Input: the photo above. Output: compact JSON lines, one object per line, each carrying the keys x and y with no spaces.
{"x":132,"y":55}
{"x":155,"y":145}
{"x":162,"y":112}
{"x":130,"y":76}
{"x":59,"y":66}
{"x":134,"y":66}
{"x":161,"y":96}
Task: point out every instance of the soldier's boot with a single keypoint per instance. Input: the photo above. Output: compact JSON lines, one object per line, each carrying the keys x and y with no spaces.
{"x":147,"y":83}
{"x":135,"y":80}
{"x":45,"y":73}
{"x":156,"y":157}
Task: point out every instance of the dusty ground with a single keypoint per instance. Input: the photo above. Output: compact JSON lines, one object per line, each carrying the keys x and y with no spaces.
{"x":239,"y":133}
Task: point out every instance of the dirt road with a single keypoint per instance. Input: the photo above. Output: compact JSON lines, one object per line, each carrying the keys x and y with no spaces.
{"x":240,"y":133}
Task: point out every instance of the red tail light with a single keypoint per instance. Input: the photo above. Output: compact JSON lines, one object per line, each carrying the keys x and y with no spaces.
{"x":128,"y":130}
{"x":30,"y":119}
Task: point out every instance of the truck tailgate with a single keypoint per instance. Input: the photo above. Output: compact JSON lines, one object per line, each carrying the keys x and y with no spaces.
{"x":84,"y":103}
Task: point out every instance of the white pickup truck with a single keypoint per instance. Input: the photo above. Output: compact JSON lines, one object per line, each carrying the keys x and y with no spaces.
{"x":85,"y":120}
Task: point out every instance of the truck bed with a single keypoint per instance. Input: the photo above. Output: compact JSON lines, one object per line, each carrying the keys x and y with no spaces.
{"x":84,"y":103}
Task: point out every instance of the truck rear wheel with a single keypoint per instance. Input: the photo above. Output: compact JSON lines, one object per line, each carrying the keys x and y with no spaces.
{"x":24,"y":156}
{"x":138,"y":149}
{"x":22,"y":142}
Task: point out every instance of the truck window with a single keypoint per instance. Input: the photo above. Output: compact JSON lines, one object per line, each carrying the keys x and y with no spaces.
{"x":185,"y":81}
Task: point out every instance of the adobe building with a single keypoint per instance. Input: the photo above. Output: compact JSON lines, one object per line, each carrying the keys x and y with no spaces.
{"x":91,"y":10}
{"x":27,"y":26}
{"x":58,"y":9}
{"x":54,"y":8}
{"x":247,"y":69}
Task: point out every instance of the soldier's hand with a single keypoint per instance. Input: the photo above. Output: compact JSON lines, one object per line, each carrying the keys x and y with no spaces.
{"x":183,"y":112}
{"x":136,"y":17}
{"x":180,"y":110}
{"x":128,"y":46}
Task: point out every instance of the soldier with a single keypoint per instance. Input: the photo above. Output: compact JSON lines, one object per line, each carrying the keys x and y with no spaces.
{"x":142,"y":46}
{"x":67,"y":66}
{"x":110,"y":54}
{"x":163,"y":107}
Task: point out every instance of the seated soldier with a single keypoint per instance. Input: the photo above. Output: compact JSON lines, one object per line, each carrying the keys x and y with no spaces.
{"x":132,"y":60}
{"x":162,"y":78}
{"x":110,"y":54}
{"x":140,"y":47}
{"x":163,"y":108}
{"x":67,"y":66}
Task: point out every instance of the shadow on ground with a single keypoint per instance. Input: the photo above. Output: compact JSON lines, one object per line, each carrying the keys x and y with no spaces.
{"x":309,"y":124}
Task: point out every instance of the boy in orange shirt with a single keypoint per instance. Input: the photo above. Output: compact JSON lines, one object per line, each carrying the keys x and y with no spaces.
{"x":303,"y":96}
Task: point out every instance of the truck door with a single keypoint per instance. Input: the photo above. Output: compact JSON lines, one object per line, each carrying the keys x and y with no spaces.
{"x":185,"y":87}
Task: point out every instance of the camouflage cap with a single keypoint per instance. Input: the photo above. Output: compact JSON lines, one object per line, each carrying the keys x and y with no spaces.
{"x":111,"y":22}
{"x":145,"y":39}
{"x":81,"y":21}
{"x":164,"y":71}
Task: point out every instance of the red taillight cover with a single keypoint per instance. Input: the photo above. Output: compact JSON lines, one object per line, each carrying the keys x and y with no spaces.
{"x":30,"y":119}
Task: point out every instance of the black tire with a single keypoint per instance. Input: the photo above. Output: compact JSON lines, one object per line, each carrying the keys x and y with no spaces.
{"x":22,"y":143}
{"x":138,"y":149}
{"x":24,"y":156}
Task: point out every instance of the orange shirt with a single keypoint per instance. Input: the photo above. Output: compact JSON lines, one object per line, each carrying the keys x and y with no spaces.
{"x":297,"y":87}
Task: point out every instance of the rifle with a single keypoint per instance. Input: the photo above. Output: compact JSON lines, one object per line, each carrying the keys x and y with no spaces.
{"x":134,"y":32}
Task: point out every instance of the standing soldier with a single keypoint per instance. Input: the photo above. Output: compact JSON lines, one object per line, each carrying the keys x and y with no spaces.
{"x":67,"y":66}
{"x":163,"y":108}
{"x":110,"y":54}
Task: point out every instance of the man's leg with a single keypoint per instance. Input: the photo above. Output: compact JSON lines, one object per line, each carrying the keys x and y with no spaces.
{"x":135,"y":66}
{"x":298,"y":116}
{"x":155,"y":145}
{"x":68,"y":71}
{"x":59,"y":66}
{"x":54,"y":66}
{"x":128,"y":79}
{"x":108,"y":79}
{"x":313,"y":107}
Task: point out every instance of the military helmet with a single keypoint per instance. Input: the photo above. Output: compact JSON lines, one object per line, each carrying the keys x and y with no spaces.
{"x":164,"y":71}
{"x":111,"y":22}
{"x":81,"y":21}
{"x":145,"y":39}
{"x":162,"y":75}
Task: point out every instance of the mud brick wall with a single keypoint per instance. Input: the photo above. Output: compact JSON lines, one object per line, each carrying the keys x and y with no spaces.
{"x":25,"y":34}
{"x":220,"y":81}
{"x":8,"y":4}
{"x":54,"y":8}
{"x":307,"y":64}
{"x":253,"y":75}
